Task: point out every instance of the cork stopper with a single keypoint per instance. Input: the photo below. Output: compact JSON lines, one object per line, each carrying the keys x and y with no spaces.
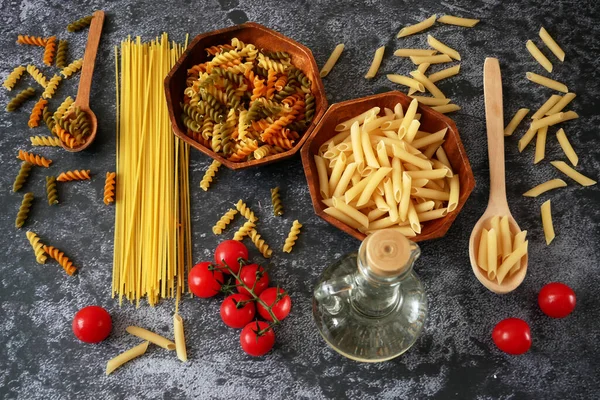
{"x":388,"y":252}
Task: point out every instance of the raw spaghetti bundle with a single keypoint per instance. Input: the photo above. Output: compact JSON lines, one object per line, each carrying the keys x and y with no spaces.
{"x":152,"y":220}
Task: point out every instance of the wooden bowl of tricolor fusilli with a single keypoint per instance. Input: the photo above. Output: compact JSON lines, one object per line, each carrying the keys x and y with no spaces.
{"x":245,"y":95}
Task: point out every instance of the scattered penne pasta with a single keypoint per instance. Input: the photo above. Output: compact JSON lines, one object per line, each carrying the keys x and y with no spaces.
{"x":544,"y":187}
{"x":566,"y":147}
{"x":416,"y":28}
{"x":552,"y":45}
{"x":443,"y":48}
{"x":414,"y":52}
{"x":547,"y":222}
{"x":515,"y":121}
{"x":549,"y":83}
{"x":571,"y":173}
{"x":377,"y":58}
{"x":126,"y":356}
{"x":538,"y":56}
{"x":458,"y":21}
{"x":332,"y":60}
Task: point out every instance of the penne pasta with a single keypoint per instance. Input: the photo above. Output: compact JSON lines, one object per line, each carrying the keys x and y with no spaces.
{"x":413,"y":128}
{"x":126,"y":356}
{"x":429,"y":194}
{"x":571,"y":173}
{"x":151,"y":337}
{"x":544,"y":187}
{"x":443,"y":159}
{"x":374,"y":181}
{"x":375,"y":63}
{"x":336,"y":172}
{"x":406,"y":81}
{"x":356,"y":140}
{"x":432,"y":214}
{"x":350,"y":211}
{"x":506,"y":239}
{"x":458,"y":21}
{"x":454,"y":192}
{"x":538,"y":56}
{"x":345,"y":126}
{"x":340,"y":216}
{"x":397,"y":178}
{"x":376,"y":214}
{"x":437,"y":59}
{"x":526,"y":139}
{"x":515,"y":121}
{"x":179,"y":338}
{"x":432,"y":148}
{"x":442,"y":48}
{"x":413,"y":218}
{"x":540,"y":145}
{"x":547,"y":222}
{"x":405,"y":199}
{"x":431,"y":101}
{"x":382,"y":155}
{"x":448,"y":108}
{"x":547,"y":121}
{"x":517,"y":242}
{"x":513,"y":259}
{"x":561,"y":104}
{"x":390,"y":199}
{"x":405,"y":230}
{"x":555,"y":98}
{"x":482,"y":261}
{"x":495,"y":225}
{"x":549,"y":83}
{"x":416,"y":28}
{"x":332,"y":60}
{"x":323,"y":180}
{"x":428,"y":174}
{"x":445,"y":73}
{"x":380,"y":202}
{"x":566,"y":147}
{"x":398,"y":111}
{"x":416,"y":161}
{"x":551,"y":44}
{"x":367,"y":149}
{"x":430,"y":86}
{"x":425,"y":206}
{"x":492,"y":254}
{"x":421,"y":68}
{"x":408,"y":118}
{"x":414,"y":52}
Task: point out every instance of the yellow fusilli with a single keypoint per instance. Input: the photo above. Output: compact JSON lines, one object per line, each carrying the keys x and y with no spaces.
{"x":38,"y":247}
{"x":51,"y":86}
{"x":51,"y":141}
{"x":209,"y":175}
{"x":72,"y":68}
{"x":12,"y":78}
{"x":224,"y":221}
{"x":37,"y":75}
{"x":245,"y":211}
{"x":244,"y":230}
{"x":292,"y":237}
{"x":260,"y":244}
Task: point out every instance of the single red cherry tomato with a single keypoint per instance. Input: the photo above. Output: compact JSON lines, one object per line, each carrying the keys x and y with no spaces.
{"x":92,"y":324}
{"x":203,"y":281}
{"x":255,"y":277}
{"x":280,"y":303}
{"x":557,"y":300}
{"x":257,"y":339}
{"x":229,"y":251}
{"x":237,"y":311}
{"x":512,"y":336}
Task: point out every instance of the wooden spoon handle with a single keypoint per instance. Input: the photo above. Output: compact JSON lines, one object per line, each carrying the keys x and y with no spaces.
{"x":492,"y":89}
{"x":89,"y":60}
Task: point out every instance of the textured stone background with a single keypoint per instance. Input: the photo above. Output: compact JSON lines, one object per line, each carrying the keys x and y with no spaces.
{"x":455,"y":357}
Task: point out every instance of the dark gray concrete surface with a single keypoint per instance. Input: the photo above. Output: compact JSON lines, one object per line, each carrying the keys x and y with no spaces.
{"x":455,"y":357}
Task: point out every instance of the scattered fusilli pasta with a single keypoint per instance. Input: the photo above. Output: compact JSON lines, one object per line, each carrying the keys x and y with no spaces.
{"x":245,"y":211}
{"x":244,"y":230}
{"x":37,"y":75}
{"x":80,"y":24}
{"x":47,"y":116}
{"x":38,"y":247}
{"x":12,"y":78}
{"x":50,"y":141}
{"x":276,"y":201}
{"x":34,"y":159}
{"x":20,"y":98}
{"x":61,"y":54}
{"x":23,"y":212}
{"x":209,"y":175}
{"x":49,"y":50}
{"x":51,"y":190}
{"x":51,"y":86}
{"x":292,"y":237}
{"x":72,"y":68}
{"x":36,"y":113}
{"x":224,"y":221}
{"x":22,"y":176}
{"x":31,"y":40}
{"x":60,"y":257}
{"x":260,"y":244}
{"x":75,"y":175}
{"x":109,"y":188}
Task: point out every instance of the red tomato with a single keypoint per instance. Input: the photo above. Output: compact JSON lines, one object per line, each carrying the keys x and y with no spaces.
{"x":248,"y":275}
{"x":512,"y":336}
{"x":257,"y":339}
{"x":236,"y":314}
{"x":229,"y":251}
{"x":557,"y":300}
{"x":280,"y":303}
{"x":203,"y":281}
{"x":92,"y":324}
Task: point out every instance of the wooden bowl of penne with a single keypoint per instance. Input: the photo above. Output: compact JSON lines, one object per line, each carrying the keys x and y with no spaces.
{"x":245,"y":145}
{"x":385,"y":161}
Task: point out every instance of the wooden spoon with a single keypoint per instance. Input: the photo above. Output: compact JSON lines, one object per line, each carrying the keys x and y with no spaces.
{"x":85,"y":80}
{"x":497,"y":204}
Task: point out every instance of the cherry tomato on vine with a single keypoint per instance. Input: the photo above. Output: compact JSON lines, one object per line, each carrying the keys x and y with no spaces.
{"x":92,"y":324}
{"x":257,"y":338}
{"x":248,"y":275}
{"x":235,"y":314}
{"x":229,"y":251}
{"x":557,"y":300}
{"x":280,"y":303}
{"x":203,"y":281}
{"x":512,"y":336}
